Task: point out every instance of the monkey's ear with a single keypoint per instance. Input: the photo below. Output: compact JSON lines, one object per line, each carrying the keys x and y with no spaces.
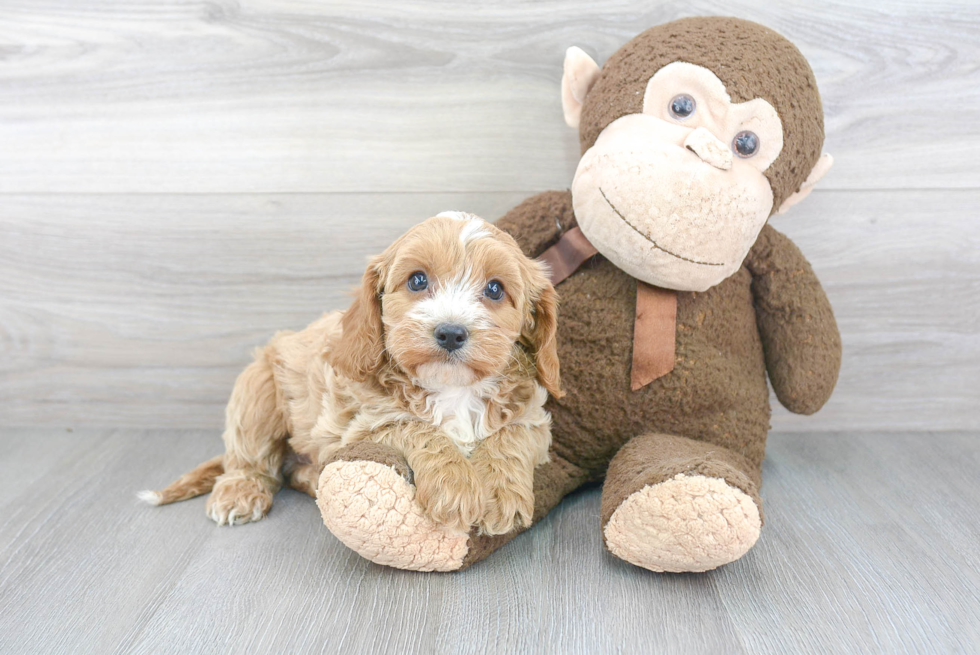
{"x":579,"y":75}
{"x":819,"y":170}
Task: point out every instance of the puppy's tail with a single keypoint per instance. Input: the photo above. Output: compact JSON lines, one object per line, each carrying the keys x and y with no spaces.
{"x":197,"y":482}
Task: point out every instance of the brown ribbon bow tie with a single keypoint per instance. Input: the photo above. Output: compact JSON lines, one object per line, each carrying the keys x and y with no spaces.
{"x":654,"y":331}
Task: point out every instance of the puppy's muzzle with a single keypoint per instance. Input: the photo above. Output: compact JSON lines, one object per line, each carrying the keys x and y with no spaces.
{"x":450,"y":336}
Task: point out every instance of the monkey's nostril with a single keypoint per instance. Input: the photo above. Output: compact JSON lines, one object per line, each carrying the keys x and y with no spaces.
{"x":450,"y":336}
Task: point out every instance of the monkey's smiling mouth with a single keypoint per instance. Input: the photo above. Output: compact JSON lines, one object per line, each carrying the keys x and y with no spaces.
{"x":655,"y":244}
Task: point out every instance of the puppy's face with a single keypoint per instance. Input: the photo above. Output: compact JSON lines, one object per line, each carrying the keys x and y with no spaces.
{"x":447,"y":302}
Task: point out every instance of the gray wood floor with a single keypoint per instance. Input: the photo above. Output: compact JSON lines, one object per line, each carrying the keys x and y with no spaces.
{"x":179,"y":180}
{"x":870,"y":545}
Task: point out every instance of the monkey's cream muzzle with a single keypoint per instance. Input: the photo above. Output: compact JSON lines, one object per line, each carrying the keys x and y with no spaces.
{"x":667,"y":205}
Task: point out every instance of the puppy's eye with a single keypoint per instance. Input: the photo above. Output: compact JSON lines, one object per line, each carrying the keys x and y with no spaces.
{"x":682,"y":106}
{"x":418,"y":281}
{"x":745,"y":144}
{"x":494,"y":290}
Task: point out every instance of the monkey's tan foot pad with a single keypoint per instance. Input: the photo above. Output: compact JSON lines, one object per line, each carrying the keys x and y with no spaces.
{"x":372,"y":509}
{"x":686,"y":523}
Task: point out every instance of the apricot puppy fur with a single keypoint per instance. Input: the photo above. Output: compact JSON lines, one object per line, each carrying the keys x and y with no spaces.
{"x":447,"y":354}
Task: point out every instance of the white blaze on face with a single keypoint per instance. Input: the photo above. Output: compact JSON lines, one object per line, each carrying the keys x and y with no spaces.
{"x":455,"y":301}
{"x":473,"y":228}
{"x":664,"y":198}
{"x":457,"y":401}
{"x":472,"y":231}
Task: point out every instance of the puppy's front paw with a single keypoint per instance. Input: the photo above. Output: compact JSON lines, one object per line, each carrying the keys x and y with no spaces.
{"x":508,"y":508}
{"x":451,"y":496}
{"x":238,"y":499}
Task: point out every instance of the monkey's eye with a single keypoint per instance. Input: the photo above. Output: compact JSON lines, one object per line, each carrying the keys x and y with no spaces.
{"x":682,"y":106}
{"x":494,"y":290}
{"x":417,"y":281}
{"x":745,"y":144}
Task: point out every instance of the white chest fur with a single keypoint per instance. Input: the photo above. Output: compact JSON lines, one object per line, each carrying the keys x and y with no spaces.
{"x":461,"y":412}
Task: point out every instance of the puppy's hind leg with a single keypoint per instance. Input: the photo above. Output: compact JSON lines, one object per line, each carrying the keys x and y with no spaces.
{"x":255,"y":444}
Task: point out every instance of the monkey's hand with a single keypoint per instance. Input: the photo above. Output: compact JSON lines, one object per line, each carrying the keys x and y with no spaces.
{"x":799,"y":334}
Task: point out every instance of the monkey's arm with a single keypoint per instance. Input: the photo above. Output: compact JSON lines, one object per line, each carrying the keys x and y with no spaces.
{"x":799,"y":334}
{"x":538,"y":222}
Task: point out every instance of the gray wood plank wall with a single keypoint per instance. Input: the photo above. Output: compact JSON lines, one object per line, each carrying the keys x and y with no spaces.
{"x":179,"y":180}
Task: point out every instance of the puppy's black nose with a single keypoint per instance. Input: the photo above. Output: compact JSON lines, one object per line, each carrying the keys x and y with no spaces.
{"x":451,"y":336}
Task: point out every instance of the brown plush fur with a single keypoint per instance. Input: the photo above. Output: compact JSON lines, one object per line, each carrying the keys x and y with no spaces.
{"x":374,"y":379}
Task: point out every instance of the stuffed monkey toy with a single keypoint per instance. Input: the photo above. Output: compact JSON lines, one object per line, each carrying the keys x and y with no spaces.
{"x":677,"y":300}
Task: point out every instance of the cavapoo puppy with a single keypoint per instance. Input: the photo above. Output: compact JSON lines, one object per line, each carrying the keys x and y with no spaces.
{"x":446,"y":354}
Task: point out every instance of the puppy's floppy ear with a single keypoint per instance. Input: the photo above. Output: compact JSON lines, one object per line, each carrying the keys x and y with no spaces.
{"x":540,"y":330}
{"x":360,"y":350}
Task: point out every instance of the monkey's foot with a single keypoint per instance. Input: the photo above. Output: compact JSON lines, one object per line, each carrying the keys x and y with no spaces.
{"x":371,"y":507}
{"x":686,"y":523}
